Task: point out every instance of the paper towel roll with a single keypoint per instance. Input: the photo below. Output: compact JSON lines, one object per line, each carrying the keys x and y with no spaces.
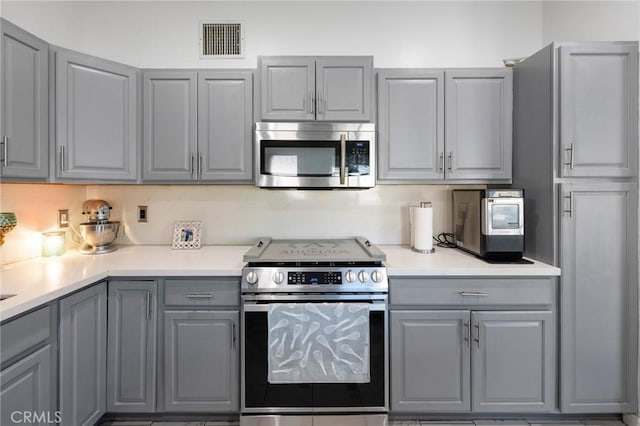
{"x":422,"y":228}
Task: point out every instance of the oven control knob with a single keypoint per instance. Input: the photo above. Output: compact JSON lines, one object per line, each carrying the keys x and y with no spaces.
{"x":278,"y":277}
{"x":350,"y":276}
{"x":252,"y":277}
{"x":377,"y":276}
{"x":363,"y":276}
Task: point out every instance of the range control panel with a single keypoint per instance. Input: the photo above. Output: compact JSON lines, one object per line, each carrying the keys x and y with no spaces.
{"x":267,"y":279}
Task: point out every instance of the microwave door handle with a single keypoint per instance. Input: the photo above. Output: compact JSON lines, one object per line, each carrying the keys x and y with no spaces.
{"x":343,"y":159}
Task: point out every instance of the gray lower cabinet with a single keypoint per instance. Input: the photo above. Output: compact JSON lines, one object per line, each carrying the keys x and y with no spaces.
{"x":430,"y":366}
{"x":599,"y":336}
{"x":28,"y":348}
{"x":24,"y":125}
{"x":326,"y":88}
{"x":198,"y":126}
{"x":444,"y":125}
{"x":201,"y":361}
{"x":96,"y":118}
{"x":461,"y":360}
{"x":131,"y":346}
{"x":598,"y":86}
{"x":83,"y":356}
{"x":25,"y":390}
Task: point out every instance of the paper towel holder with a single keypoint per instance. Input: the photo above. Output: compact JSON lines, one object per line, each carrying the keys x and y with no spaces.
{"x":424,"y":204}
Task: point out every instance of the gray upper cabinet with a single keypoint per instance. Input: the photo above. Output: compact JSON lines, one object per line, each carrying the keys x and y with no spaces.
{"x":201,"y":361}
{"x":598,"y":98}
{"x":225,"y":122}
{"x":478,"y":120}
{"x":83,"y":356}
{"x":131,"y":346}
{"x":24,"y":125}
{"x":599,"y":288}
{"x":410,"y":124}
{"x":451,"y":125}
{"x":96,"y":118}
{"x":198,"y":126}
{"x":513,"y":362}
{"x":430,"y":361}
{"x":315,"y":88}
{"x":170,"y":125}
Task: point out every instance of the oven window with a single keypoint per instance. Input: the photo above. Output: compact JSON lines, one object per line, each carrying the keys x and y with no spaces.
{"x":259,"y":393}
{"x":308,"y":158}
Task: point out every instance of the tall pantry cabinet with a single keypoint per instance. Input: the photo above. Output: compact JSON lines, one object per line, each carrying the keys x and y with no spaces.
{"x":576,"y":156}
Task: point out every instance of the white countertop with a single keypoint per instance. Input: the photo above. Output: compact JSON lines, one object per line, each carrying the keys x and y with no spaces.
{"x":42,"y":280}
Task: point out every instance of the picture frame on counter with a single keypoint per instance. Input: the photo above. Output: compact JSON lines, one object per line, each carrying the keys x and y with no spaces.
{"x":187,"y":235}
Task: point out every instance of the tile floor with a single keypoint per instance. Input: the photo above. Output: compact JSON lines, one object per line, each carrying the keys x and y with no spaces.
{"x":400,"y":423}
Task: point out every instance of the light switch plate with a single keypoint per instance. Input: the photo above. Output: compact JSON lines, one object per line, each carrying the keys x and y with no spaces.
{"x":143,"y":215}
{"x":63,"y":218}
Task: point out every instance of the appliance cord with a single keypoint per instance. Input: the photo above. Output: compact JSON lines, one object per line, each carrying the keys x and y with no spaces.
{"x":445,"y":240}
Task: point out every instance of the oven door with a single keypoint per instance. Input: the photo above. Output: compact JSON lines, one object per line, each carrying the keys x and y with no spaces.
{"x":305,"y":159}
{"x":260,"y":396}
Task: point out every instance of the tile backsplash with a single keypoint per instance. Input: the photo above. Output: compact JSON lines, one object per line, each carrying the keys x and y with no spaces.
{"x":230,"y":214}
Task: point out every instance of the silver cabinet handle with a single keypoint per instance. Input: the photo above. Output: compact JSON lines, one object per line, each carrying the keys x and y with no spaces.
{"x":200,"y":166}
{"x":571,"y":151}
{"x":343,"y":159}
{"x":199,"y":296}
{"x":191,"y":169}
{"x":442,"y":162}
{"x":62,"y":158}
{"x":467,"y":333}
{"x":148,"y":305}
{"x":473,"y":294}
{"x":320,"y":106}
{"x":450,"y":158}
{"x":312,"y":101}
{"x":477,"y":338}
{"x":5,"y":147}
{"x":569,"y":210}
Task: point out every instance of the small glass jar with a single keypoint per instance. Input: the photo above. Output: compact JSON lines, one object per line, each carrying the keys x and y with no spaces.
{"x":53,"y":243}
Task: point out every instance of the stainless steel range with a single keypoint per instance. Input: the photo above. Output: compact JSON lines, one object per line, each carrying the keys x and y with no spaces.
{"x":314,"y":334}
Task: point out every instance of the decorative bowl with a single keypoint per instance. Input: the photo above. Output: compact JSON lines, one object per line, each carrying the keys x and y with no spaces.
{"x":8,"y":221}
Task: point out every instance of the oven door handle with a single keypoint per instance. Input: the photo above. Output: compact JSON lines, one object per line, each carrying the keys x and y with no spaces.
{"x":264,"y":307}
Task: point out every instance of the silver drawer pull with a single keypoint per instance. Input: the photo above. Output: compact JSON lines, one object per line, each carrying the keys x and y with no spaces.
{"x":473,"y":294}
{"x":199,"y":296}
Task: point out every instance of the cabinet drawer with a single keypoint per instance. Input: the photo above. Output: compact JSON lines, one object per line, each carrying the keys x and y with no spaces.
{"x":471,"y":291}
{"x":218,"y":292}
{"x":25,"y":332}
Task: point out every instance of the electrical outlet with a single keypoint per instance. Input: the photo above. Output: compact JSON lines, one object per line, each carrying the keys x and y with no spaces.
{"x":142,"y":214}
{"x":63,"y":218}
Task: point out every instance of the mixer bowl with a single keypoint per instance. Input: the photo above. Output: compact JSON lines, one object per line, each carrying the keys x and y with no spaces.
{"x":99,"y":236}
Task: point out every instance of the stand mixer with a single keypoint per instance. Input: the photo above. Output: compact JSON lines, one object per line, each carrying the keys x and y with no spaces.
{"x":98,"y":232}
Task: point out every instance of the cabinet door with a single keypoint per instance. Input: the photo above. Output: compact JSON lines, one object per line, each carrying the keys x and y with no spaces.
{"x":411,"y":125}
{"x":513,"y":361}
{"x":287,"y":88}
{"x":344,"y":86}
{"x":599,"y":261}
{"x":599,"y":109}
{"x":131,"y":349}
{"x":225,"y":101}
{"x":25,"y":104}
{"x":96,"y":116}
{"x":25,"y":390}
{"x":170,"y":126}
{"x":83,"y":356}
{"x":201,"y":361}
{"x":478,"y":124}
{"x":430,"y":361}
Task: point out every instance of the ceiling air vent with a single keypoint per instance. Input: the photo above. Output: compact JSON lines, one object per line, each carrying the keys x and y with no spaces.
{"x":221,"y":40}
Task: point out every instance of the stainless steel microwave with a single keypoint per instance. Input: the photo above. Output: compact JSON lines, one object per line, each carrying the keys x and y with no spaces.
{"x":315,"y":155}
